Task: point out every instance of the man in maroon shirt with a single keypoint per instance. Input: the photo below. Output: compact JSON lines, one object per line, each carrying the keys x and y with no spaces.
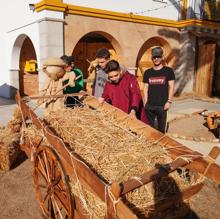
{"x":122,"y":91}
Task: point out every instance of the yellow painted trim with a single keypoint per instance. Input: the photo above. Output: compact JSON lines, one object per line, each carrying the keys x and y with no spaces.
{"x":54,"y":5}
{"x":184,"y":9}
{"x":117,"y":16}
{"x":57,"y":5}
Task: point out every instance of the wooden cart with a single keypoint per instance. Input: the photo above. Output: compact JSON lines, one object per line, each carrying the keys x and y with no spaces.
{"x":56,"y":164}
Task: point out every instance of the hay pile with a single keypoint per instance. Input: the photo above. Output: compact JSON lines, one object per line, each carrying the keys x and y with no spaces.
{"x":34,"y":136}
{"x":9,"y":141}
{"x":115,"y":154}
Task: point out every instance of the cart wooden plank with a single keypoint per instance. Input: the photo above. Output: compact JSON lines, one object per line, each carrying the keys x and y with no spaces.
{"x":78,"y":170}
{"x":174,"y":148}
{"x":186,"y":194}
{"x":71,"y":161}
{"x":151,"y":175}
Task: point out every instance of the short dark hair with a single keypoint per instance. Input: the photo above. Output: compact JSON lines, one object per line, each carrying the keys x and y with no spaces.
{"x":103,"y":53}
{"x":112,"y":65}
{"x":64,"y":57}
{"x":67,"y":59}
{"x":71,"y":58}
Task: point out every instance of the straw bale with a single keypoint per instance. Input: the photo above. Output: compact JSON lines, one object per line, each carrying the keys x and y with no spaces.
{"x":9,"y":141}
{"x":115,"y":154}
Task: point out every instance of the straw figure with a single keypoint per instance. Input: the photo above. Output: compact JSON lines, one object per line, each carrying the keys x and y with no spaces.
{"x":54,"y":69}
{"x":91,"y":71}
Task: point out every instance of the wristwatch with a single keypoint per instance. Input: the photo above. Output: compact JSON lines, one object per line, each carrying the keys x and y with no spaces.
{"x":169,"y":101}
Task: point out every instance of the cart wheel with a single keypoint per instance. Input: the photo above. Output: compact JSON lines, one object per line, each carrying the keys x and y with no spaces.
{"x":52,"y":185}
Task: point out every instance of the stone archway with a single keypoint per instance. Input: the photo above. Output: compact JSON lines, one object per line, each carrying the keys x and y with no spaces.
{"x":86,"y":48}
{"x":144,"y":56}
{"x":85,"y":51}
{"x":26,"y":81}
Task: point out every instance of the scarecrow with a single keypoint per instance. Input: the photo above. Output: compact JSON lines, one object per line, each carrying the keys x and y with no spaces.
{"x":54,"y":69}
{"x":58,"y":81}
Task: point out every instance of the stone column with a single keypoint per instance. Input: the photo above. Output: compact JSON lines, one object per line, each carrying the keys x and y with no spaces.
{"x":51,"y":42}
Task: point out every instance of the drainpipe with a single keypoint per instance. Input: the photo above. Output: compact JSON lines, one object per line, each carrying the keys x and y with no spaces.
{"x":196,"y":62}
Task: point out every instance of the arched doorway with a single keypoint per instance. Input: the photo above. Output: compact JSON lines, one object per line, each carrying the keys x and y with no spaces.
{"x":85,"y":52}
{"x":28,"y":73}
{"x":144,"y":56}
{"x":26,"y":80}
{"x":208,"y":70}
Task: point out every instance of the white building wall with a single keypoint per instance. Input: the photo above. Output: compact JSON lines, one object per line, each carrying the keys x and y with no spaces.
{"x":18,"y":20}
{"x":165,"y":9}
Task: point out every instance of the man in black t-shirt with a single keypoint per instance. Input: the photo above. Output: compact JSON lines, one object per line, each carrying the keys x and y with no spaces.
{"x":158,"y":90}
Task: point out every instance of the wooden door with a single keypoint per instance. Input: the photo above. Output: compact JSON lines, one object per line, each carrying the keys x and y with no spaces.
{"x":87,"y":51}
{"x":204,"y":76}
{"x":28,"y":82}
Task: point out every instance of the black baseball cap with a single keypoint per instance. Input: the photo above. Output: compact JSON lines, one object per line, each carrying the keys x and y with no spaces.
{"x":157,"y":52}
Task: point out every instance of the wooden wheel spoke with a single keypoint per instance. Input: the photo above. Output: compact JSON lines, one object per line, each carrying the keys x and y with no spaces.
{"x":46,"y":196}
{"x":61,"y":198}
{"x":52,"y":164}
{"x":43,"y":167}
{"x":57,"y":180}
{"x":60,"y":188}
{"x":41,"y":173}
{"x":47,"y":166}
{"x":56,"y":207}
{"x":53,"y":170}
{"x":43,"y":186}
{"x":52,"y":186}
{"x":49,"y":208}
{"x":53,"y":206}
{"x":61,"y":185}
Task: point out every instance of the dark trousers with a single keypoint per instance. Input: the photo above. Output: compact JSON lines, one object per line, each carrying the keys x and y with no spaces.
{"x":72,"y":101}
{"x":157,"y":112}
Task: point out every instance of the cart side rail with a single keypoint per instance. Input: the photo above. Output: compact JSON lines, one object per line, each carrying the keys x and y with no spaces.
{"x":73,"y":165}
{"x":200,"y":164}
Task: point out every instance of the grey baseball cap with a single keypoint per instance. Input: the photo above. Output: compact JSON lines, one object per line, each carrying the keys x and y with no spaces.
{"x":157,"y":51}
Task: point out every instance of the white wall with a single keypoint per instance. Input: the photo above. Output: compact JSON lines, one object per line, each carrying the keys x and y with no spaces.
{"x":17,"y":19}
{"x":169,"y":9}
{"x":14,"y":16}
